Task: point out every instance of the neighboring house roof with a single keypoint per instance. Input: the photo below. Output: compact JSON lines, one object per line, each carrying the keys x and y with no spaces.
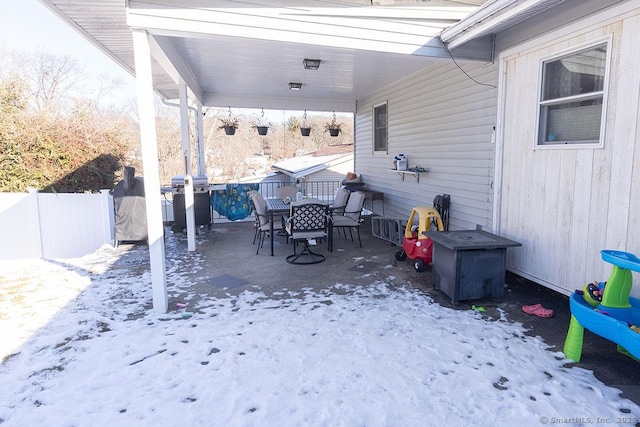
{"x":301,"y":166}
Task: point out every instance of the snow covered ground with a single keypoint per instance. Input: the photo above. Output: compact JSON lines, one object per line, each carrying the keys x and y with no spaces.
{"x":82,"y":347}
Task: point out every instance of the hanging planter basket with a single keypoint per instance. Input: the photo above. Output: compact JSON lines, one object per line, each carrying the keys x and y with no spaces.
{"x":305,"y":129}
{"x":261,"y":124}
{"x":229,"y":124}
{"x":333,"y":127}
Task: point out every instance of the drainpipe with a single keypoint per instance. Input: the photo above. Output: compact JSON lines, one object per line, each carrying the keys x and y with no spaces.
{"x":202,"y":170}
{"x":184,"y":128}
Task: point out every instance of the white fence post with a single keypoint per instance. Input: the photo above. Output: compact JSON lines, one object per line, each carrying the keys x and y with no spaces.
{"x":108,"y":219}
{"x":35,"y":211}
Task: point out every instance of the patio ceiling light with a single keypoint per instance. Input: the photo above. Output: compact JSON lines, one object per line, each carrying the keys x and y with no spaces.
{"x":311,"y":64}
{"x":295,"y":86}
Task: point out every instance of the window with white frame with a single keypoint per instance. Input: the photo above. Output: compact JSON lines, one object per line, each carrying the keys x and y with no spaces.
{"x":572,"y":97}
{"x":380,"y":128}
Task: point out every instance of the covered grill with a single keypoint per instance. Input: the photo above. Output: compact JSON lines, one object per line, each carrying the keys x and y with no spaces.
{"x":130,"y":210}
{"x":201,"y":202}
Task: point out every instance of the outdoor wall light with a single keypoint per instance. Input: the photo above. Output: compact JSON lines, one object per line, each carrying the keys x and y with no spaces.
{"x":311,"y":64}
{"x":295,"y":86}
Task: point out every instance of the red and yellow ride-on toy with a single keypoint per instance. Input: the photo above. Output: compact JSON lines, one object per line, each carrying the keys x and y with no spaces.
{"x":415,"y":244}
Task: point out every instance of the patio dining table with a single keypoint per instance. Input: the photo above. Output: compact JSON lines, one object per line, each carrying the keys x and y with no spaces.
{"x":275,"y":207}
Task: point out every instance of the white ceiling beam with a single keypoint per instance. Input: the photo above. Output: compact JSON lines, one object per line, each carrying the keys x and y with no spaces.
{"x":272,"y":103}
{"x":298,"y":8}
{"x":171,"y":60}
{"x":414,"y":34}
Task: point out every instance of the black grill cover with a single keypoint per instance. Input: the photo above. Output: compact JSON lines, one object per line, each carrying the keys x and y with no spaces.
{"x":130,"y":209}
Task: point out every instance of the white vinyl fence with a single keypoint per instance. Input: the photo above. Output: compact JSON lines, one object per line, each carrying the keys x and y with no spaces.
{"x":44,"y":225}
{"x":70,"y":225}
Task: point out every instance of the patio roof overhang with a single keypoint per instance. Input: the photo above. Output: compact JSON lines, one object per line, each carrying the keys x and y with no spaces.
{"x":239,"y":54}
{"x":230,"y":53}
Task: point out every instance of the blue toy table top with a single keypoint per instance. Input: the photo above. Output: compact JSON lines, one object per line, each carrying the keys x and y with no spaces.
{"x":621,"y":259}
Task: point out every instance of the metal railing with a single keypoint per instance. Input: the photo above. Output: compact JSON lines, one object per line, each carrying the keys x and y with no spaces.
{"x":322,"y":190}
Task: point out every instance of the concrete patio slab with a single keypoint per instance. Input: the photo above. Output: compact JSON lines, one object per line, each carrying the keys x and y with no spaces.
{"x":225,"y":264}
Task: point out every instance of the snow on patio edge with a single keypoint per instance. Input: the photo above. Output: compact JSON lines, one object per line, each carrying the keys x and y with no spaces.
{"x":373,"y":355}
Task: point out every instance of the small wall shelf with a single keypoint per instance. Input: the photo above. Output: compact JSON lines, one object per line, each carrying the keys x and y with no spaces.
{"x":416,"y":175}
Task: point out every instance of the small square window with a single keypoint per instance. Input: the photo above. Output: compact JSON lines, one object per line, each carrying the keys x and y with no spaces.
{"x":572,"y":97}
{"x":380,"y":128}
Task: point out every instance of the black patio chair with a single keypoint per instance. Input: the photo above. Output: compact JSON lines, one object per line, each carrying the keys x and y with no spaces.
{"x":308,"y":221}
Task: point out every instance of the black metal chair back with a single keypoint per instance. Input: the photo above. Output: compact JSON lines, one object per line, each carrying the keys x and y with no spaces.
{"x":441,"y":204}
{"x":308,"y":219}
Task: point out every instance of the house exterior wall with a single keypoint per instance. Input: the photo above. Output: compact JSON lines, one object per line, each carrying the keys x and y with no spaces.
{"x":443,"y":121}
{"x":566,"y":204}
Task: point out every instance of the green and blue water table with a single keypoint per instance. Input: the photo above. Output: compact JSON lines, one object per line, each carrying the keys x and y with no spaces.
{"x":616,"y":317}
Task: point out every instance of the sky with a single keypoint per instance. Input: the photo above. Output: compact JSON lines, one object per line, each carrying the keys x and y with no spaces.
{"x":81,"y":346}
{"x":28,"y":26}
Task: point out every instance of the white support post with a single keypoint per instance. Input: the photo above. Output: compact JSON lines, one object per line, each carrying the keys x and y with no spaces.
{"x":148,"y":138}
{"x":188,"y":179}
{"x":202,"y":170}
{"x":36,"y":221}
{"x":189,"y":203}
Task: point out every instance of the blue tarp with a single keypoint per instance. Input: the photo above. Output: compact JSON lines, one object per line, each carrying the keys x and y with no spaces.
{"x":234,"y":202}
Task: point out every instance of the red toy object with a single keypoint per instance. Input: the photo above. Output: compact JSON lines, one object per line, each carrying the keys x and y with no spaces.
{"x":415,"y":244}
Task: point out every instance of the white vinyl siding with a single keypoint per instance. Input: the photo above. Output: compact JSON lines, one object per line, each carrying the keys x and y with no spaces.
{"x":442,"y":121}
{"x":565,"y":205}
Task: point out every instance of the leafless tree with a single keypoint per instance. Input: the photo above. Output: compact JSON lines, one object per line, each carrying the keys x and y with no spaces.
{"x":58,"y":83}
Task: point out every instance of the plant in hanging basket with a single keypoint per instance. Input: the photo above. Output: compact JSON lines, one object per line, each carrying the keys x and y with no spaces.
{"x":303,"y":125}
{"x":334,"y":128}
{"x":262,"y":129}
{"x":261,"y":125}
{"x":229,"y":124}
